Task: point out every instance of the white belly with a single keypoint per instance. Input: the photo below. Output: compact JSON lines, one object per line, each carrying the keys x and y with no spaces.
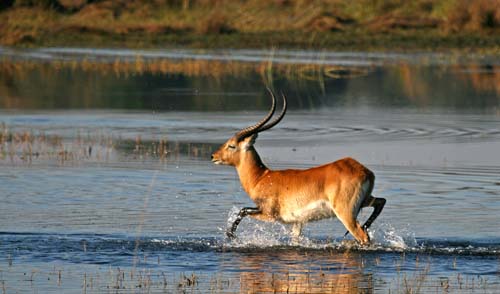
{"x":313,"y":211}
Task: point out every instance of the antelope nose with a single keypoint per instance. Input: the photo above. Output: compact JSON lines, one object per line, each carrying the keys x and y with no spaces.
{"x":212,"y":157}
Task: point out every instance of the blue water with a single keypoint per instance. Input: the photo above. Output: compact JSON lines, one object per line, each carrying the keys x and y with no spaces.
{"x":96,"y":199}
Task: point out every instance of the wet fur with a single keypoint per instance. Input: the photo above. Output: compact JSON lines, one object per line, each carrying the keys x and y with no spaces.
{"x":338,"y":189}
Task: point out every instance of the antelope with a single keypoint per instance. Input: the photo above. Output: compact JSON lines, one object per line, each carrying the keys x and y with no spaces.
{"x":337,"y":189}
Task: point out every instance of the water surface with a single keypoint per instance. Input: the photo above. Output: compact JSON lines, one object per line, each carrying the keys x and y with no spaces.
{"x":106,"y":182}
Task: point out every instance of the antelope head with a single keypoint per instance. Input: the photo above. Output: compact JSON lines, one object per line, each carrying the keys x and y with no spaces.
{"x":240,"y":146}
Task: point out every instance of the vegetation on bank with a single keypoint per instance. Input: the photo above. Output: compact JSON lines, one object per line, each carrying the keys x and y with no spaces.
{"x":335,"y":24}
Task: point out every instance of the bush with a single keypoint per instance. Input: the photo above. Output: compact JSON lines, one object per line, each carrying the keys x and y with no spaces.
{"x":474,"y":15}
{"x":215,"y":23}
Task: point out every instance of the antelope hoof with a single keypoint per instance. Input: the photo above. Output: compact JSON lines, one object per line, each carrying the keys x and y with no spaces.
{"x":366,"y":242}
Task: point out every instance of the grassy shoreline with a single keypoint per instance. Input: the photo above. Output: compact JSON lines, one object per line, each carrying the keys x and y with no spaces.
{"x":405,"y":42}
{"x":360,"y":25}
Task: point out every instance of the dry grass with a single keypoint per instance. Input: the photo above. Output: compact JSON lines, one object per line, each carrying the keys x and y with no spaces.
{"x":188,"y":67}
{"x":30,"y":147}
{"x":479,"y":15}
{"x":33,"y":21}
{"x":27,"y":147}
{"x":127,"y":280}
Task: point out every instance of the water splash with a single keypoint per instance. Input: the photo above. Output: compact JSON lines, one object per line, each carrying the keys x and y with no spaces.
{"x":389,"y":237}
{"x":254,"y":233}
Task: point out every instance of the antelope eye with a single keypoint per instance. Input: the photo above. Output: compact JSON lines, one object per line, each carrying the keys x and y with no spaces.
{"x":231,"y":146}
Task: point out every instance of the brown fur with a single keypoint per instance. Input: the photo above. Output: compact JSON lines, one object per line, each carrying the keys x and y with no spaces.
{"x":298,"y":196}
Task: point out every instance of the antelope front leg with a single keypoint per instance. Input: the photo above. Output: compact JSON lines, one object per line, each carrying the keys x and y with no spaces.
{"x":243,"y":212}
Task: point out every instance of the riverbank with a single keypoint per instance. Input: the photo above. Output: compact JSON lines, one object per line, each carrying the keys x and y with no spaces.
{"x":334,"y":25}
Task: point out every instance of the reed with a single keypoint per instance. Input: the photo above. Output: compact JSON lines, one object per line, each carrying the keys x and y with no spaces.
{"x":28,"y":147}
{"x":147,"y":280}
{"x":120,"y":67}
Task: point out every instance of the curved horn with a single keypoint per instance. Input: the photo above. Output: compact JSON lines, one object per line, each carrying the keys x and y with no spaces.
{"x":256,"y":128}
{"x":278,"y":119}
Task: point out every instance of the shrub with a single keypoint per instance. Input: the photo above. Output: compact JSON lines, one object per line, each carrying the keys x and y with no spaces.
{"x":215,"y":23}
{"x":474,"y":15}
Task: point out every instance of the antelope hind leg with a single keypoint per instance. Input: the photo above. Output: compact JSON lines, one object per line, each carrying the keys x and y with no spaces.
{"x":378,"y":205}
{"x":296,"y":232}
{"x":353,"y":227}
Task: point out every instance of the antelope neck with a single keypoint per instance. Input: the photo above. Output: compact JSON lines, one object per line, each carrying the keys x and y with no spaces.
{"x":250,"y":169}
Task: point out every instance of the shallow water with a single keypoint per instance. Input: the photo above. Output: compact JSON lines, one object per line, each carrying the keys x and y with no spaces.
{"x":106,"y":182}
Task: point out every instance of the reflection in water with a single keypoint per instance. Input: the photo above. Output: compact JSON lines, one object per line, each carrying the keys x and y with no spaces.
{"x":144,"y":84}
{"x":207,"y":85}
{"x":482,"y":77}
{"x":470,"y":85}
{"x":293,"y":271}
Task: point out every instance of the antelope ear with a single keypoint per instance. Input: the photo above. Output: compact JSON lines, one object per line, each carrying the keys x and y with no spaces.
{"x":248,"y":142}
